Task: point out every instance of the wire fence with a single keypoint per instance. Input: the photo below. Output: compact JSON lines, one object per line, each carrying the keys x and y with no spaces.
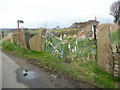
{"x":74,"y":48}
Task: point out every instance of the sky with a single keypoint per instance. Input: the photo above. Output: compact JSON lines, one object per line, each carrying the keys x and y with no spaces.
{"x":52,"y":13}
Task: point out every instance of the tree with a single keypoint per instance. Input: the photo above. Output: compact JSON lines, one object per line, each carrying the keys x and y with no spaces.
{"x":115,"y":10}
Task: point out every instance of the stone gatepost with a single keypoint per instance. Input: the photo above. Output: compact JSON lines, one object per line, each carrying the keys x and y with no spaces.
{"x":37,"y":42}
{"x":104,"y":50}
{"x":25,"y":36}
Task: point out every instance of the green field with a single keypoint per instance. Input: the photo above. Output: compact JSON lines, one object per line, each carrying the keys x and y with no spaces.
{"x":63,"y":29}
{"x":116,"y":36}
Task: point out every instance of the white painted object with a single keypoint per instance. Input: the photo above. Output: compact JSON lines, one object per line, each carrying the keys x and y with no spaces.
{"x":65,"y":35}
{"x":92,"y":29}
{"x":60,"y":37}
{"x":76,"y":41}
{"x":69,"y":46}
{"x":72,"y":58}
{"x":75,"y":48}
{"x":43,"y":36}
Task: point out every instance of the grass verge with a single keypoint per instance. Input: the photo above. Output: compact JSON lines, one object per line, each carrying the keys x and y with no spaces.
{"x":63,"y":29}
{"x":86,"y":70}
{"x":116,"y":36}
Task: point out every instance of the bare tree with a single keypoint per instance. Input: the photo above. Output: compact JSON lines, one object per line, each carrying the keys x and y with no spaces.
{"x":115,"y":10}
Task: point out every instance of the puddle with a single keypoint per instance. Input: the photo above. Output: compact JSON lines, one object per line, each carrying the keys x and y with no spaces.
{"x":33,"y":78}
{"x":36,"y":79}
{"x":25,"y":75}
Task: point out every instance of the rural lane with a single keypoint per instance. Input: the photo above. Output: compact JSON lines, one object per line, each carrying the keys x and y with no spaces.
{"x":16,"y":73}
{"x":8,"y":73}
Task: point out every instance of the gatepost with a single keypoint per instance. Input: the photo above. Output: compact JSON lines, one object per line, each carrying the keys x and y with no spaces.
{"x":37,"y":42}
{"x":104,"y":50}
{"x":118,"y":50}
{"x":25,"y":35}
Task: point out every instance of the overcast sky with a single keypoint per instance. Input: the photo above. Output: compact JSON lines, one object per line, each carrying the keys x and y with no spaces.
{"x":35,"y":13}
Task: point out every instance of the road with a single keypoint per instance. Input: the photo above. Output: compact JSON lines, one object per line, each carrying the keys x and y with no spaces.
{"x":16,"y":73}
{"x":8,"y":73}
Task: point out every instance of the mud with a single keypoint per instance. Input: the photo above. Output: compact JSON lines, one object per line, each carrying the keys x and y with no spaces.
{"x":36,"y":76}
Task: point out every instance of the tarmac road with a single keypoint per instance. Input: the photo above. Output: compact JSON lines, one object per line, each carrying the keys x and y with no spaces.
{"x":8,"y":73}
{"x":16,"y":73}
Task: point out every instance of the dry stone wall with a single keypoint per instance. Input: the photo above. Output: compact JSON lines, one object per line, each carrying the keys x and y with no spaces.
{"x":113,"y":27}
{"x":84,"y":24}
{"x":108,"y":53}
{"x":116,"y":57}
{"x":67,"y":32}
{"x":87,"y":31}
{"x":24,"y":38}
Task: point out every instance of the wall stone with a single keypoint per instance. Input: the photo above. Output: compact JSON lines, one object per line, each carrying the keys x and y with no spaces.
{"x":67,"y":32}
{"x":37,"y":41}
{"x":9,"y":36}
{"x":15,"y":37}
{"x":104,"y":50}
{"x":84,"y":24}
{"x":87,"y":31}
{"x":25,"y":36}
{"x":118,"y":48}
{"x":116,"y":57}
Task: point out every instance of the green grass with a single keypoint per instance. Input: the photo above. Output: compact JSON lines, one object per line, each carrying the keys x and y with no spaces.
{"x":86,"y":70}
{"x":116,"y":36}
{"x":63,"y":29}
{"x":33,"y":31}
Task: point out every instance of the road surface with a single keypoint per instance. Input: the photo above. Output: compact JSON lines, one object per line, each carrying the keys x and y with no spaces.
{"x":16,"y":73}
{"x":8,"y":73}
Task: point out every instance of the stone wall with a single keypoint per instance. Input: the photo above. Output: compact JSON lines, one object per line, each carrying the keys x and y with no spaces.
{"x":87,"y":31}
{"x":108,"y":53}
{"x":113,"y":27}
{"x":24,"y":38}
{"x":67,"y":32}
{"x":84,"y":24}
{"x":116,"y":57}
{"x":27,"y":41}
{"x":15,"y":37}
